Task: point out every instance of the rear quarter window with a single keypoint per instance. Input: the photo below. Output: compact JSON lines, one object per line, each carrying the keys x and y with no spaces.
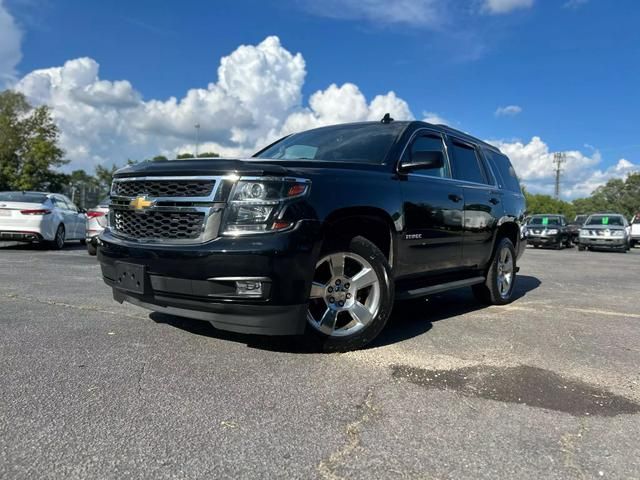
{"x":503,"y":168}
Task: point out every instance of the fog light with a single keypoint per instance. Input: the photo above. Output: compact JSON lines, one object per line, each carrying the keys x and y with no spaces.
{"x":249,"y":288}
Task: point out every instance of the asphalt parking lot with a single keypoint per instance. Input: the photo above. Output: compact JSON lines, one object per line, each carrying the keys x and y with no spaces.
{"x":548,"y":387}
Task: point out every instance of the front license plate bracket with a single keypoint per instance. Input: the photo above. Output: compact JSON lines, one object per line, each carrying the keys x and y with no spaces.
{"x":130,"y":277}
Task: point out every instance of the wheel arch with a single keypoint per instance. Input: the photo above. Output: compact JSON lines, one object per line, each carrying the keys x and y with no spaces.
{"x":372,"y":223}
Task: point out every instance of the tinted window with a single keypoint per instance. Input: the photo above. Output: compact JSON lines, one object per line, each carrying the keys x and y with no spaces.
{"x":616,"y":220}
{"x":503,"y":168}
{"x":25,"y":197}
{"x":465,"y":164}
{"x":545,"y":220}
{"x":362,"y":143}
{"x":427,"y":143}
{"x":60,"y":203}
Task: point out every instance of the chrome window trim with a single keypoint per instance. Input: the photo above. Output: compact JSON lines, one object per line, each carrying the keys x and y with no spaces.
{"x":479,"y":158}
{"x":446,"y":153}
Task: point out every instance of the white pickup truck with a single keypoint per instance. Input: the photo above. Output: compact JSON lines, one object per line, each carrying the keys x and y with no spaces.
{"x":635,"y":230}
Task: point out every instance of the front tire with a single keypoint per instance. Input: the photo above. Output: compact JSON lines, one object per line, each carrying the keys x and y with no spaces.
{"x":351,"y":297}
{"x":92,"y":249}
{"x":501,"y":276}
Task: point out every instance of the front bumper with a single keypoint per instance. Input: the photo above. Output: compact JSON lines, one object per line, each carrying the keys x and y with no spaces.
{"x":603,"y":242}
{"x":544,"y":241}
{"x":198,"y":281}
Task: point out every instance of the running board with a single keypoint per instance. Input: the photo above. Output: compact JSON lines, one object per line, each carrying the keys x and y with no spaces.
{"x":421,"y":292}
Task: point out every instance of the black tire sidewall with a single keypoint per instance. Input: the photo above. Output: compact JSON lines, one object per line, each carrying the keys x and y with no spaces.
{"x":491,"y":285}
{"x":54,"y":243}
{"x":363,"y":247}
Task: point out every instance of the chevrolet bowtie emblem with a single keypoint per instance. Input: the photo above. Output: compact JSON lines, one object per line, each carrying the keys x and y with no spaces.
{"x":140,"y":203}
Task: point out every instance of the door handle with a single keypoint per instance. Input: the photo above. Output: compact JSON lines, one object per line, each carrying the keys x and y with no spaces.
{"x":454,"y":198}
{"x":493,"y":200}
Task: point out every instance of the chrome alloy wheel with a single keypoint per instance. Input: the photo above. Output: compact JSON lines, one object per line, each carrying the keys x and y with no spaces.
{"x":345,"y":294}
{"x":505,"y":272}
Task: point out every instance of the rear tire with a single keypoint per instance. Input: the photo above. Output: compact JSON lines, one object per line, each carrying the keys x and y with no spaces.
{"x":92,"y":249}
{"x":357,"y":275}
{"x":581,"y":248}
{"x":58,"y":240}
{"x":501,"y":276}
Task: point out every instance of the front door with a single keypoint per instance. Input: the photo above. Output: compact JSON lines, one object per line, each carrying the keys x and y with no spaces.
{"x":432,"y":210}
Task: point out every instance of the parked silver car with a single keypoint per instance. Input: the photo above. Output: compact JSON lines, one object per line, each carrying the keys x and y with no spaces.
{"x":40,"y":217}
{"x":96,"y":223}
{"x":605,"y":230}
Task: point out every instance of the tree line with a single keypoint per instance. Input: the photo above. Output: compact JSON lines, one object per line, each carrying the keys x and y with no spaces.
{"x":31,"y":156}
{"x":617,"y":195}
{"x":30,"y":159}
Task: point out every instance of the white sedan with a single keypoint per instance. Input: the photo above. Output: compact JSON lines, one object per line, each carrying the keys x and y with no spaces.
{"x":40,"y":217}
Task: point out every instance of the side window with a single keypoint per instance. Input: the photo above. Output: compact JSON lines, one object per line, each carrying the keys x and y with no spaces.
{"x":70,"y":205}
{"x":428,"y":143}
{"x":466,"y":164}
{"x":502,"y":166}
{"x":60,"y":203}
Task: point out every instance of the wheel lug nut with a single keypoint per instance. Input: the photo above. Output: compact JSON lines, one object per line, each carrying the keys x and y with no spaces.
{"x":332,"y":300}
{"x":338,"y":282}
{"x":348,"y":296}
{"x":330,"y":289}
{"x":346,"y":285}
{"x":341,"y":303}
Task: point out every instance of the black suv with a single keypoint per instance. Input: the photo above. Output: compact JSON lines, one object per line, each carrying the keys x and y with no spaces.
{"x":548,"y":230}
{"x":318,"y":233}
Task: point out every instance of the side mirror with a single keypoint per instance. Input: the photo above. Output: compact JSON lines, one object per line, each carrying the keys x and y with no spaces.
{"x":425,"y":160}
{"x":82,"y":210}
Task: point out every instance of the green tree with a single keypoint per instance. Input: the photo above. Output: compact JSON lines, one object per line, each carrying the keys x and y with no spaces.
{"x":208,"y":155}
{"x":185,"y":155}
{"x":159,"y":158}
{"x":104,"y":176}
{"x":537,"y":203}
{"x":29,"y":150}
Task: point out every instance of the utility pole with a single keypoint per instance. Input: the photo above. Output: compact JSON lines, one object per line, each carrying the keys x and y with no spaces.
{"x":558,"y":159}
{"x":197,"y":125}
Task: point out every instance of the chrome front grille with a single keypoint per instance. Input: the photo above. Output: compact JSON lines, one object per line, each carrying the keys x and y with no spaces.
{"x":163,"y":188}
{"x":159,"y":225}
{"x":170,"y":210}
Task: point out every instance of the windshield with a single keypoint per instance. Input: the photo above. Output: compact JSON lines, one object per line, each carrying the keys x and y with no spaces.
{"x":544,"y":221}
{"x":25,"y":197}
{"x":615,"y":220}
{"x":362,"y":143}
{"x":580,"y":219}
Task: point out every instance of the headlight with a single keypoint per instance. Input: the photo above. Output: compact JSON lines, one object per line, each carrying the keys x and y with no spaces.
{"x":254,"y":205}
{"x":552,"y":231}
{"x":584,"y":232}
{"x":617,"y":233}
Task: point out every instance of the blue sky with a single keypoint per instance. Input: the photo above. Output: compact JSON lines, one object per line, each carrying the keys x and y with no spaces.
{"x":569,"y":70}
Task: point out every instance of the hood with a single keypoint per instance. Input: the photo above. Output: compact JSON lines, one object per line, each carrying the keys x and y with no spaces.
{"x":248,"y":166}
{"x":603,"y":227}
{"x":208,"y":166}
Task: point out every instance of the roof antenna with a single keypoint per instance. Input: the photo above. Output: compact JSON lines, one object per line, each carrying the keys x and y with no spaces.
{"x":386,"y":119}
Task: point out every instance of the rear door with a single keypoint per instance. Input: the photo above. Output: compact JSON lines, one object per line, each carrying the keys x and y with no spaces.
{"x":432,"y":207}
{"x":68,"y":216}
{"x":78,"y":219}
{"x":482,"y":201}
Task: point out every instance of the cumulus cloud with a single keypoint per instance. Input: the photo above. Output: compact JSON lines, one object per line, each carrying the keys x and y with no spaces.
{"x":10,"y":51}
{"x":533,"y":161}
{"x":256,"y":98}
{"x":498,"y":7}
{"x":508,"y":111}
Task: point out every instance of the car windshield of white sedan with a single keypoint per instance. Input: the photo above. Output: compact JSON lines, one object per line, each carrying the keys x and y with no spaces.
{"x":615,"y":220}
{"x":25,"y":197}
{"x":544,"y":221}
{"x":361,"y":143}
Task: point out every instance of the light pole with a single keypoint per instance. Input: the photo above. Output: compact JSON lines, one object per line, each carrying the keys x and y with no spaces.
{"x":197,"y":125}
